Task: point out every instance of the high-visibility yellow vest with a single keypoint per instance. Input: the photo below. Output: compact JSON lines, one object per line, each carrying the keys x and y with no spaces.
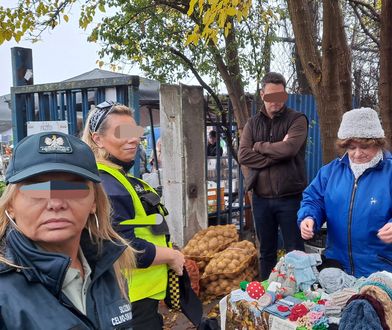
{"x":148,"y":282}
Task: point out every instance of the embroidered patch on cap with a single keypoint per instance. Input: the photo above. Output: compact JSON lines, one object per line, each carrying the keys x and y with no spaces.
{"x":54,"y":144}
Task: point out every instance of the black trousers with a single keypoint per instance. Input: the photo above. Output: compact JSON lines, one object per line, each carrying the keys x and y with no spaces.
{"x":269,"y":214}
{"x":145,"y":315}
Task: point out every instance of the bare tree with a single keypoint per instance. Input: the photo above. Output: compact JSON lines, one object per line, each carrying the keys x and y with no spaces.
{"x":328,"y":70}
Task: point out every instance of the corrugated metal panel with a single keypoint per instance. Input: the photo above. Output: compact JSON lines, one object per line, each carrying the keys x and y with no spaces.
{"x":307,"y":105}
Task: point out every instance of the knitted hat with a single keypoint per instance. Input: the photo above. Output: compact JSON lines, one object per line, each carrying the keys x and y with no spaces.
{"x":334,"y":279}
{"x":376,"y":305}
{"x":360,"y":123}
{"x":380,"y":279}
{"x":383,"y":298}
{"x":341,"y":297}
{"x":359,"y":315}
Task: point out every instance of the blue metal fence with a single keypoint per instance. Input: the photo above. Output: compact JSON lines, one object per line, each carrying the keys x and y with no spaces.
{"x":62,"y":101}
{"x":307,"y":105}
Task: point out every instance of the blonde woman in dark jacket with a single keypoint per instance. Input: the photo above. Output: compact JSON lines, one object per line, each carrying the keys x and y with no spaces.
{"x":60,"y":259}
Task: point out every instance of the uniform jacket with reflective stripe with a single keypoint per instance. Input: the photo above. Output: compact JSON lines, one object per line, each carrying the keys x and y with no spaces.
{"x":150,"y":282}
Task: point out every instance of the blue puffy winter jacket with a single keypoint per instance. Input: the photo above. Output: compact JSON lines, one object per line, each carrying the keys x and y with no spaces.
{"x":354,"y":212}
{"x":31,"y":297}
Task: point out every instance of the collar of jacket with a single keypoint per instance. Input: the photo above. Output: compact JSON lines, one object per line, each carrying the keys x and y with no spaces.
{"x":126,"y":166}
{"x":278,"y":114}
{"x":49,"y":268}
{"x":386,"y":155}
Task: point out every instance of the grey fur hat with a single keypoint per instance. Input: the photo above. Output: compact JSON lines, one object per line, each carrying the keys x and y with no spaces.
{"x":360,"y":123}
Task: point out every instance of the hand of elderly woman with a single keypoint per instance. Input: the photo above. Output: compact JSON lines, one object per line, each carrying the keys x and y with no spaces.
{"x":385,"y":233}
{"x":307,"y":226}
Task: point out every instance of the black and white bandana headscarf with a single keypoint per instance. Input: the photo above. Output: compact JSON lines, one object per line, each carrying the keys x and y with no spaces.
{"x":100,"y":112}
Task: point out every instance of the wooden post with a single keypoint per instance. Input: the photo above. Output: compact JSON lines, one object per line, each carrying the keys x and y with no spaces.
{"x":183,"y":150}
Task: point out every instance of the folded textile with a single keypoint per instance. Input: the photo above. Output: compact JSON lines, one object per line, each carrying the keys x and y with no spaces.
{"x":334,"y":279}
{"x":333,"y":310}
{"x":340,"y":298}
{"x":274,"y":310}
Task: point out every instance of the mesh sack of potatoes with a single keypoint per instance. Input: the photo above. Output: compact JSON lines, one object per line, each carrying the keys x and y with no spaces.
{"x":235,"y":258}
{"x":207,"y":242}
{"x":228,"y":268}
{"x":215,"y":286}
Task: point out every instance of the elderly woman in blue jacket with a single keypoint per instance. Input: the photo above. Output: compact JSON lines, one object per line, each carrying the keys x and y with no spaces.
{"x":353,"y":195}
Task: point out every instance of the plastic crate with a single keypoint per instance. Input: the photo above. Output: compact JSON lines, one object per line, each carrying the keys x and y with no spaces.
{"x":213,"y":199}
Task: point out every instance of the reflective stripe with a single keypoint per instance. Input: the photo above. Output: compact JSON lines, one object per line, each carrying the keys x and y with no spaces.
{"x":152,"y":219}
{"x":148,"y":282}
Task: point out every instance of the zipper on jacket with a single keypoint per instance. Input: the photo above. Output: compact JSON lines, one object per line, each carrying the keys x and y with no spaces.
{"x":350,"y":218}
{"x":269,"y":168}
{"x":63,"y":300}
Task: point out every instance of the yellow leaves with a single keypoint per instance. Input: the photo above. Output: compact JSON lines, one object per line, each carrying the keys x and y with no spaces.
{"x":18,"y":36}
{"x":7,"y":35}
{"x":217,"y":17}
{"x":100,"y":63}
{"x":227,"y":29}
{"x":192,"y":38}
{"x":231,"y":11}
{"x":66,"y":18}
{"x":42,"y":9}
{"x":101,"y":7}
{"x":191,"y":7}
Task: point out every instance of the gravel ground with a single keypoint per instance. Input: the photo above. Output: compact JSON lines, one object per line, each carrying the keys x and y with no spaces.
{"x":177,"y":321}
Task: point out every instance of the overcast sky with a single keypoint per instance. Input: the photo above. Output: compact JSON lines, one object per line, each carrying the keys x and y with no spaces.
{"x":63,"y":53}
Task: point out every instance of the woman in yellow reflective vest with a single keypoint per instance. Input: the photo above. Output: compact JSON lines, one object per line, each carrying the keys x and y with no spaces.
{"x":138,"y":215}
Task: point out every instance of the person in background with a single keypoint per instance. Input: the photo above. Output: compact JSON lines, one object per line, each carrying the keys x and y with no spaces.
{"x":352,"y":195}
{"x":138,"y":214}
{"x":212,"y":146}
{"x":60,"y":259}
{"x":159,"y":156}
{"x":143,"y":160}
{"x":272,"y":146}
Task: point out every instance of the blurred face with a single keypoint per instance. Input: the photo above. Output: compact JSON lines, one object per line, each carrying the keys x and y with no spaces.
{"x":212,"y":140}
{"x":361,"y":153}
{"x":275,"y":106}
{"x":53,"y":218}
{"x":121,"y":138}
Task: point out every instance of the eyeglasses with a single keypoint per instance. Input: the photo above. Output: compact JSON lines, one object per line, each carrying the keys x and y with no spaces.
{"x":101,"y":111}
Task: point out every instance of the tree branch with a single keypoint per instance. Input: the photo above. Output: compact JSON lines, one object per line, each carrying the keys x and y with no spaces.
{"x":363,"y":26}
{"x":361,"y":49}
{"x":374,"y":13}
